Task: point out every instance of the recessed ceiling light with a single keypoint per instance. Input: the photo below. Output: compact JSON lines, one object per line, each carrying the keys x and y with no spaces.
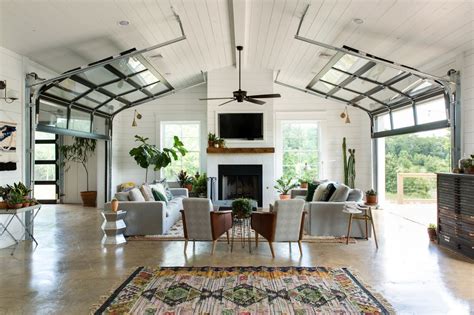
{"x":357,"y":21}
{"x":167,"y":73}
{"x":123,"y":23}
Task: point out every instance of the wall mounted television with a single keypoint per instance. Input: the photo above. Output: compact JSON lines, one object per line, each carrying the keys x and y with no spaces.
{"x":240,"y":126}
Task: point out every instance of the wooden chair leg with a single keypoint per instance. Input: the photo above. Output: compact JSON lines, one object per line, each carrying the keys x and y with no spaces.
{"x":373,"y":227}
{"x":213,"y":247}
{"x":349,"y":229}
{"x":301,"y":249}
{"x":185,"y":245}
{"x":256,"y":239}
{"x":271,"y":248}
{"x":228,"y":239}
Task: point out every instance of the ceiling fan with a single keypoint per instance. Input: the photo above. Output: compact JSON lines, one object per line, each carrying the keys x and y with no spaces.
{"x":241,"y":95}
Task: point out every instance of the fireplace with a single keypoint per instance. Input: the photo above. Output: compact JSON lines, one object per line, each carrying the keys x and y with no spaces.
{"x":240,"y":181}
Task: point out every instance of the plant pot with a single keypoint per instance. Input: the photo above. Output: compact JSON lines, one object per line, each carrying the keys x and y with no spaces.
{"x":189,"y":187}
{"x":432,"y":234}
{"x":469,"y":170}
{"x":285,"y":197}
{"x":304,"y":185}
{"x":371,"y":200}
{"x":210,"y":144}
{"x":89,"y":198}
{"x":216,"y":145}
{"x":114,"y":205}
{"x":3,"y":205}
{"x":26,"y":204}
{"x":15,"y":206}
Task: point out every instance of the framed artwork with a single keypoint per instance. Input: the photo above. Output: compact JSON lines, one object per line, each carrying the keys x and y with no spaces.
{"x":8,"y":156}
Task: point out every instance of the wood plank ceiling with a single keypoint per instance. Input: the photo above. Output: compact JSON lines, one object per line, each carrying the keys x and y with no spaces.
{"x":63,"y":34}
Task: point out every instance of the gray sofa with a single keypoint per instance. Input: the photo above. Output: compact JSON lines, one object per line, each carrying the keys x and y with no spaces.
{"x":325,"y":218}
{"x":152,"y":217}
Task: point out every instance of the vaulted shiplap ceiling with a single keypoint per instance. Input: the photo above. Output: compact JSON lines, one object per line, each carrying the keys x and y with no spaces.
{"x":64,"y":34}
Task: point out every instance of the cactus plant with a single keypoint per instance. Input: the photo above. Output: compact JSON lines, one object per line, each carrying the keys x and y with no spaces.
{"x":351,"y":173}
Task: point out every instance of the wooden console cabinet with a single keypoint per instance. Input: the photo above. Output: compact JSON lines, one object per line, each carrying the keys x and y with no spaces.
{"x":456,"y":212}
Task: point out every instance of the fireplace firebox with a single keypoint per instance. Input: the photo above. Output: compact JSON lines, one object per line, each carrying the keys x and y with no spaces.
{"x":240,"y":181}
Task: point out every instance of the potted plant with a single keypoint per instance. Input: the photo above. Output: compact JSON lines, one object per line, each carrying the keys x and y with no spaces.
{"x":432,"y":232}
{"x":241,"y":208}
{"x":211,"y":139}
{"x":304,"y":180}
{"x":15,"y":200}
{"x":221,"y":142}
{"x":79,"y":152}
{"x":183,"y":178}
{"x":283,"y":186}
{"x":470,"y":167}
{"x":371,"y":197}
{"x":147,"y":154}
{"x":200,"y":185}
{"x":114,"y":204}
{"x":4,"y":192}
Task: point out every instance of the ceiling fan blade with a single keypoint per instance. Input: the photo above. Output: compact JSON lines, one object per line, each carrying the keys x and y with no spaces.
{"x":252,"y":100}
{"x":216,"y":98}
{"x":265,"y":96}
{"x":226,"y":102}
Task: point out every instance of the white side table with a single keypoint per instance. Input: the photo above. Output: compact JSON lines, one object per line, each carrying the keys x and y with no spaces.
{"x":113,"y":227}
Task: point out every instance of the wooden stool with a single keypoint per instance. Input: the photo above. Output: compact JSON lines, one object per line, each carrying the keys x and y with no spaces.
{"x":356,"y":214}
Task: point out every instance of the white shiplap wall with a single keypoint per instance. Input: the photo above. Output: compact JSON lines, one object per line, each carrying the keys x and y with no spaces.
{"x":183,"y":105}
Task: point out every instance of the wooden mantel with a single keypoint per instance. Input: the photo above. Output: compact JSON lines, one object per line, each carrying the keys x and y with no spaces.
{"x":240,"y":150}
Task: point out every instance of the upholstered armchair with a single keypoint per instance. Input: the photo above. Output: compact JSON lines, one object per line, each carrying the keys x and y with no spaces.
{"x":284,"y":223}
{"x":201,"y":223}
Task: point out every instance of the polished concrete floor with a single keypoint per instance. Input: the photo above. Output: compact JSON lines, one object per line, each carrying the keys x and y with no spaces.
{"x":69,"y":271}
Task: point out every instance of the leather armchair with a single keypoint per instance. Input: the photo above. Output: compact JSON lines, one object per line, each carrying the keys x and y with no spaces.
{"x":284,"y":223}
{"x":201,"y":223}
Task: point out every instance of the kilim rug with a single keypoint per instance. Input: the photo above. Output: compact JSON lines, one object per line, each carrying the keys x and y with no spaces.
{"x":243,"y":290}
{"x":176,"y":233}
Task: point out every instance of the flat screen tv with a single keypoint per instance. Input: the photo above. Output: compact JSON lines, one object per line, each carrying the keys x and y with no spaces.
{"x":242,"y":126}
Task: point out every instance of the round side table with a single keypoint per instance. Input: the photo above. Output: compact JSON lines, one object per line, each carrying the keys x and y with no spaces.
{"x":113,"y":227}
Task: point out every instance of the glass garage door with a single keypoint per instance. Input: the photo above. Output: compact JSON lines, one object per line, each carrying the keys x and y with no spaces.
{"x":46,"y":167}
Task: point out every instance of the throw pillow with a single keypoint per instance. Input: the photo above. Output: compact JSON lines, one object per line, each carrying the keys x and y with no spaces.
{"x":330,"y":189}
{"x":147,"y":193}
{"x":341,"y":194}
{"x":158,"y":195}
{"x":318,"y":193}
{"x":161,"y":189}
{"x":311,"y":189}
{"x":355,"y":195}
{"x":135,"y":195}
{"x":122,"y":196}
{"x":165,"y":184}
{"x":127,"y":186}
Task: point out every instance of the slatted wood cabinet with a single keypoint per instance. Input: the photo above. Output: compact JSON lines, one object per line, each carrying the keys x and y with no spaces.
{"x":456,"y":212}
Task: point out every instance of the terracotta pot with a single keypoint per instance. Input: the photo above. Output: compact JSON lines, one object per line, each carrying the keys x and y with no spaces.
{"x":285,"y":197}
{"x":210,"y":144}
{"x":26,"y":204}
{"x":371,"y":199}
{"x":3,"y":205}
{"x":89,"y":198}
{"x":189,"y":187}
{"x":15,"y":206}
{"x":114,"y":205}
{"x":432,"y":234}
{"x":469,"y":170}
{"x":304,"y":185}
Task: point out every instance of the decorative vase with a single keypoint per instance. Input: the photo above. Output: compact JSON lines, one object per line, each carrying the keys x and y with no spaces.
{"x":285,"y":196}
{"x":89,"y":198}
{"x":432,"y":234}
{"x":371,"y":199}
{"x":304,"y":185}
{"x":114,"y":205}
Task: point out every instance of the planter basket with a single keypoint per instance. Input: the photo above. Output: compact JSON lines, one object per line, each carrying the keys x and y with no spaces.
{"x":89,"y":198}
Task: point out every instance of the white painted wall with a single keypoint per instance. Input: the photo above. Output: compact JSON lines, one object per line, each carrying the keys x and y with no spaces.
{"x":180,"y":106}
{"x":13,"y":68}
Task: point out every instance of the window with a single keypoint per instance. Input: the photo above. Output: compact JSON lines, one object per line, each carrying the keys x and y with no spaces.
{"x":189,"y":133}
{"x":300,"y":141}
{"x":46,"y":169}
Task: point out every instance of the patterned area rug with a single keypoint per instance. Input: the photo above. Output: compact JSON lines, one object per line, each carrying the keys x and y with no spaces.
{"x":243,"y":290}
{"x":176,"y":233}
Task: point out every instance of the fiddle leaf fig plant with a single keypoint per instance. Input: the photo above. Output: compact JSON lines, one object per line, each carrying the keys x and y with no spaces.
{"x":147,"y":154}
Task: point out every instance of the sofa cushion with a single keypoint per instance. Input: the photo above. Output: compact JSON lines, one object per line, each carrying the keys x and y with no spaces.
{"x":311,"y":190}
{"x":318,"y":193}
{"x":165,"y":184}
{"x":161,"y":189}
{"x":135,"y":195}
{"x":147,"y":193}
{"x":355,"y":195}
{"x":328,"y":192}
{"x":122,"y":196}
{"x":158,"y":195}
{"x":341,"y":193}
{"x":127,"y":186}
